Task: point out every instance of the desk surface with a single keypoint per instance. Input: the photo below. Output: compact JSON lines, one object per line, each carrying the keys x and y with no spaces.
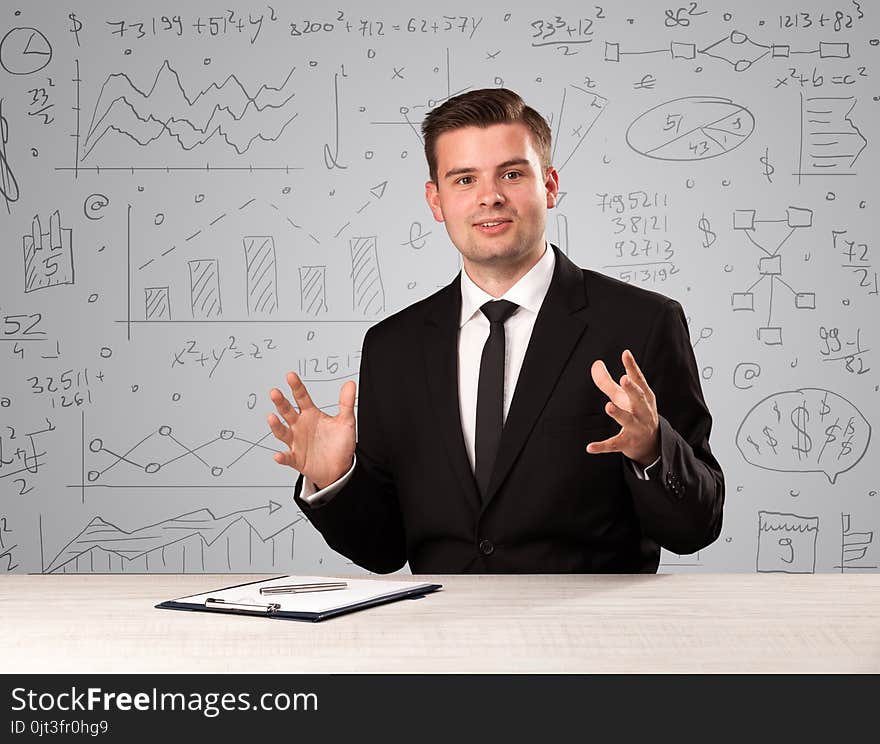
{"x":570,"y":623}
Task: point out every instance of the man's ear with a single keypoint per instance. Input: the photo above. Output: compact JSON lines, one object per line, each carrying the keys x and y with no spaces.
{"x":551,"y":183}
{"x":432,"y":196}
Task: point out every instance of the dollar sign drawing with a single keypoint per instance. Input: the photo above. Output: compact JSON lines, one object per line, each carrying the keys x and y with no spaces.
{"x":75,"y":26}
{"x":771,"y":440}
{"x":824,"y":408}
{"x":799,"y":417}
{"x":769,"y":170}
{"x":706,"y":229}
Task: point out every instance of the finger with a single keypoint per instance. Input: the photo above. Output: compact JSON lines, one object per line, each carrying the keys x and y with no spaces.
{"x":620,"y":415}
{"x":637,"y":401}
{"x":605,"y":383}
{"x":282,"y":433}
{"x":612,"y":444}
{"x":285,"y":458}
{"x":635,"y":373}
{"x":346,"y":398}
{"x":300,"y":394}
{"x":283,"y":406}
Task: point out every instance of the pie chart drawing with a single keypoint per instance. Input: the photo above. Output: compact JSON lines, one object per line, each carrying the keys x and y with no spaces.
{"x":24,"y":51}
{"x":691,"y":128}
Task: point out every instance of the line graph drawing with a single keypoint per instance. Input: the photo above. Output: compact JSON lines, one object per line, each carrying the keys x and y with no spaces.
{"x":770,"y":265}
{"x":160,"y":448}
{"x":224,"y":112}
{"x":194,"y":542}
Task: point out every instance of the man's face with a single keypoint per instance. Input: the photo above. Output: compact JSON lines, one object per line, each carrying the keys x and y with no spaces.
{"x":492,"y":174}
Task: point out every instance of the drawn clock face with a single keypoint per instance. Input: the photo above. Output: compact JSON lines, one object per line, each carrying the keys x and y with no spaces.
{"x":693,"y":128}
{"x":24,"y":51}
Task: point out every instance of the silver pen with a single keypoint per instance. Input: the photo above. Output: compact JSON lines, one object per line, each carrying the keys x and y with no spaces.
{"x":327,"y":586}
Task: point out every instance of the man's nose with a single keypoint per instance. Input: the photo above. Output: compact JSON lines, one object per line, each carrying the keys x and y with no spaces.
{"x":491,"y":194}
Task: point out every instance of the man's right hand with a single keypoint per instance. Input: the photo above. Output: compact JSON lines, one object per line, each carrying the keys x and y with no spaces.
{"x":321,"y":446}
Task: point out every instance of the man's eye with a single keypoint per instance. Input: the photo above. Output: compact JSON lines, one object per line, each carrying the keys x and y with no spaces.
{"x":463,"y":179}
{"x":515,"y":174}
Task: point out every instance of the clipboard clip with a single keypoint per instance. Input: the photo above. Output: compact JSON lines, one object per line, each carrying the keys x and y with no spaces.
{"x":220,"y":604}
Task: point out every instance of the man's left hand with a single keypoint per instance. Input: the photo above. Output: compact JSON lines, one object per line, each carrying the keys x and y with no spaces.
{"x":632,"y":405}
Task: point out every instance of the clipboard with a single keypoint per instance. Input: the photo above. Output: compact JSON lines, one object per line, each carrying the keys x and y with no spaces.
{"x":246,"y":599}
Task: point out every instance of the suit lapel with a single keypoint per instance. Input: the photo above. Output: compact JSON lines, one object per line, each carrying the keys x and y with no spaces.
{"x":440,"y":351}
{"x":561,"y":322}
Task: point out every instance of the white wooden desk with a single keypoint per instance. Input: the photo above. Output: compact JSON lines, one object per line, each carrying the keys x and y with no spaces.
{"x":582,"y":623}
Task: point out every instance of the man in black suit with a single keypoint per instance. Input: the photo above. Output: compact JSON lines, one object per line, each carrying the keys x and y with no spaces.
{"x":491,"y":436}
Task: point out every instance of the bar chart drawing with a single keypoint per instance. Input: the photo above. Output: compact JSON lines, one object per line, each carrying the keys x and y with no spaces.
{"x":204,"y":285}
{"x":313,"y":289}
{"x":157,"y":303}
{"x":48,"y":257}
{"x":368,"y":294}
{"x":262,"y":275}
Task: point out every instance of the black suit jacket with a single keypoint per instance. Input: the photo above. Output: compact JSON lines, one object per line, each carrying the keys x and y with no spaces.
{"x":551,"y":506}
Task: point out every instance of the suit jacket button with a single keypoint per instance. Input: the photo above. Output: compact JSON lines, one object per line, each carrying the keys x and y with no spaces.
{"x":486,"y":547}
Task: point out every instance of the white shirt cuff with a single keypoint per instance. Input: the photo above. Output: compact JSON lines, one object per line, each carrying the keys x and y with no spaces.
{"x":643,"y":474}
{"x":314,"y":497}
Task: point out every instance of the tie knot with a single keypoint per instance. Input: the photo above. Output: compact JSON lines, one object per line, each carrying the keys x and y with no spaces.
{"x":498,"y":311}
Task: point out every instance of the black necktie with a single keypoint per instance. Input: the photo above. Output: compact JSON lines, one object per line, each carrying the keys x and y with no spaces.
{"x":490,"y":392}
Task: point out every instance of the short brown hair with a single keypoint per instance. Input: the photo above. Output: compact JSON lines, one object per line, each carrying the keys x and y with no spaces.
{"x":482,"y":108}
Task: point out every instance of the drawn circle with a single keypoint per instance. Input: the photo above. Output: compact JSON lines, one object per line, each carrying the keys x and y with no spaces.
{"x":368,"y":155}
{"x":158,"y":219}
{"x":728,"y":268}
{"x":226,"y":434}
{"x":874,"y":42}
{"x":96,"y":445}
{"x":371,"y":53}
{"x":175,"y":397}
{"x":863,"y":204}
{"x":698,"y":69}
{"x":127,"y":52}
{"x":727,"y":16}
{"x":199,"y":198}
{"x":506,"y":17}
{"x":872,"y":493}
{"x":499,"y":81}
{"x":24,"y":51}
{"x":251,"y":401}
{"x":846,"y":302}
{"x":93,"y":205}
{"x":313,"y":63}
{"x":539,"y":80}
{"x":152,"y":467}
{"x":707,"y":372}
{"x":436,"y":69}
{"x":206,"y":61}
{"x":216,"y":471}
{"x":106,"y":352}
{"x":135,"y":388}
{"x":286,"y":190}
{"x":830,"y":196}
{"x":165,"y":431}
{"x":411,"y":285}
{"x":93,"y":297}
{"x":404,"y":154}
{"x":92,"y":476}
{"x":5,"y":402}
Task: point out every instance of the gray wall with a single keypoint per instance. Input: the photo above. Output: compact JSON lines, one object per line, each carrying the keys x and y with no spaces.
{"x":192,"y":208}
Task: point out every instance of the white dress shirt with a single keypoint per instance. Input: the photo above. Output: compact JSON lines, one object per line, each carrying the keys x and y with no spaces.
{"x":528,"y":293}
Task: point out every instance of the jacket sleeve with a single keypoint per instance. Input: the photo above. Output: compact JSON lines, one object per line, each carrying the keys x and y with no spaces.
{"x":681,"y":505}
{"x":363,"y":520}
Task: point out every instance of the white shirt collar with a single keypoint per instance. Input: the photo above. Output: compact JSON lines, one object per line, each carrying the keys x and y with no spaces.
{"x":528,"y":292}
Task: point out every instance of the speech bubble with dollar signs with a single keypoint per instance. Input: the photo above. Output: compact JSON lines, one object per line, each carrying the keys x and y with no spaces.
{"x":809,"y":430}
